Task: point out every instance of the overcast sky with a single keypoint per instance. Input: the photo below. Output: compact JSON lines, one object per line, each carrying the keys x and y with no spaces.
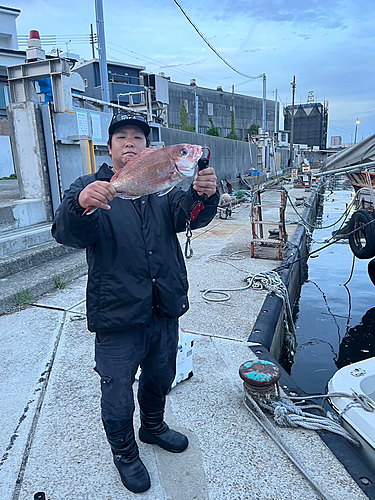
{"x":327,"y":44}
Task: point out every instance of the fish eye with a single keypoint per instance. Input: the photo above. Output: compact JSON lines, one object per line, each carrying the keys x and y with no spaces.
{"x":184,"y":152}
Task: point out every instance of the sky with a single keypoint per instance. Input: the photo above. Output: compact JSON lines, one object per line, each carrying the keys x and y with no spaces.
{"x":328,"y":45}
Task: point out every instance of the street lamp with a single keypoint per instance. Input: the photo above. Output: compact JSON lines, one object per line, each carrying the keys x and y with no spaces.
{"x":356,"y":130}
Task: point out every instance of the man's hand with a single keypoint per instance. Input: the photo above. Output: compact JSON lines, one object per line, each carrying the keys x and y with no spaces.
{"x":205,"y":182}
{"x":97,"y":194}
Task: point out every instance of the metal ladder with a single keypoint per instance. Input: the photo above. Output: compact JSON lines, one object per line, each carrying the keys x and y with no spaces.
{"x":258,"y":225}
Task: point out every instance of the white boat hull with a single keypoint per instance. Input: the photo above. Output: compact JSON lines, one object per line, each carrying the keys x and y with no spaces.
{"x":360,"y":378}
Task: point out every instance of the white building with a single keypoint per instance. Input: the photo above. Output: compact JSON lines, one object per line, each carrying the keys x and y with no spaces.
{"x":336,"y":140}
{"x":9,"y":53}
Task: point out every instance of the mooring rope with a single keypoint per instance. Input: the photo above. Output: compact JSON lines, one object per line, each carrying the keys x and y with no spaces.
{"x":274,"y":434}
{"x":271,"y":281}
{"x":289,"y":415}
{"x":359,"y":399}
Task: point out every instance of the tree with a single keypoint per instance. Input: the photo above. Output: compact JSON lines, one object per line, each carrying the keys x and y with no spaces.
{"x":232,"y":134}
{"x":254,"y":129}
{"x":184,"y":117}
{"x":213,"y":130}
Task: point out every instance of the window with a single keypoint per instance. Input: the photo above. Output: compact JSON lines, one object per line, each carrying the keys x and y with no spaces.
{"x":210,"y":108}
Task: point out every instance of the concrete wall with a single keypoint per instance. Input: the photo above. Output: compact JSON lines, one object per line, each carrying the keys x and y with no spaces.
{"x":6,"y":159}
{"x":29,"y":153}
{"x":228,"y":157}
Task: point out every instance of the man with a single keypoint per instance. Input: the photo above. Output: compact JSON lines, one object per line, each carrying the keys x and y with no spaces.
{"x":137,"y":290}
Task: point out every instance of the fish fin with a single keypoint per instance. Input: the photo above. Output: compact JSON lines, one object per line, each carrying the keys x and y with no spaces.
{"x":90,"y":210}
{"x":124,"y":197}
{"x":166,"y":191}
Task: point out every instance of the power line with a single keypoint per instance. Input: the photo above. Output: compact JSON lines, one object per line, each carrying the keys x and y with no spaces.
{"x":156,"y":62}
{"x":213,"y":48}
{"x":53,"y":40}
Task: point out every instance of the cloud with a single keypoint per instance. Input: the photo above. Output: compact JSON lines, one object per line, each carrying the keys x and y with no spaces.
{"x":282,"y":11}
{"x":334,"y":25}
{"x":182,"y":64}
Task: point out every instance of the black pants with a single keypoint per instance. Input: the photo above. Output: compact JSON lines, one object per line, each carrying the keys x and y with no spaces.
{"x":118,"y":354}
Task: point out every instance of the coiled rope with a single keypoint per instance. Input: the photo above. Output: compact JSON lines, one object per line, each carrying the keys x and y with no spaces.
{"x":271,"y":281}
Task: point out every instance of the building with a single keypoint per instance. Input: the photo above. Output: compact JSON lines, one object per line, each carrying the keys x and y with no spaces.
{"x":122,"y":78}
{"x":336,"y":140}
{"x":9,"y":53}
{"x":203,"y":104}
{"x":310,"y":123}
{"x":129,"y":86}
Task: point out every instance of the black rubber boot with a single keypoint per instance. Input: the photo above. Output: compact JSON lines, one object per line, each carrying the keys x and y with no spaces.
{"x":154,"y":430}
{"x":133,"y":473}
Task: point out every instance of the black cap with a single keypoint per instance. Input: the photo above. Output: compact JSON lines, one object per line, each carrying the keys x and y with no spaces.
{"x":122,"y":120}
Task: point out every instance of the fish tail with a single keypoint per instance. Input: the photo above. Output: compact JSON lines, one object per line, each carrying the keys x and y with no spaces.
{"x":89,"y":210}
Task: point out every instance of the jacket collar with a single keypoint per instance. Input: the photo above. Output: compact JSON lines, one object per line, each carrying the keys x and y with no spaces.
{"x":105,"y":173}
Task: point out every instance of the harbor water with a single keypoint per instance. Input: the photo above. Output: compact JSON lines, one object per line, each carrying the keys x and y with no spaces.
{"x":335,"y":318}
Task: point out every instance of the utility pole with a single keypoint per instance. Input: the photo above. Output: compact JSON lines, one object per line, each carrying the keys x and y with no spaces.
{"x":276,"y":117}
{"x":264,"y":103}
{"x":196,"y":113}
{"x":92,"y":41}
{"x":291,"y":138}
{"x":103,"y":69}
{"x":233,"y":118}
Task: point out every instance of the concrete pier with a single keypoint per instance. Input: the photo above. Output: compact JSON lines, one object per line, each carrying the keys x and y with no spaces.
{"x":52,"y":440}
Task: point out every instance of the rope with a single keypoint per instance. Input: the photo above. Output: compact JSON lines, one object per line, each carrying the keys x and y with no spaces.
{"x":288,"y":415}
{"x":351,"y":272}
{"x":271,"y":281}
{"x":312,"y":226}
{"x":285,"y":265}
{"x":272,"y":431}
{"x":360,"y":399}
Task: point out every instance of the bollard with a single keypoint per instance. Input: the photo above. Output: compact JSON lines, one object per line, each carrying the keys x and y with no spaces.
{"x":261,"y":379}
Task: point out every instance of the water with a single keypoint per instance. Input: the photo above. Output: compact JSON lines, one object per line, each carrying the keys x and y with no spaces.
{"x":335,"y":322}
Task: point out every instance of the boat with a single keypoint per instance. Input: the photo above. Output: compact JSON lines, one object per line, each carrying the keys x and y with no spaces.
{"x":359,"y":420}
{"x":355,"y":161}
{"x":361,"y":180}
{"x":358,"y":163}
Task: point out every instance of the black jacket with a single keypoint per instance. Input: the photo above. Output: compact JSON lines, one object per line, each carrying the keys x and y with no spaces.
{"x":133,"y":253}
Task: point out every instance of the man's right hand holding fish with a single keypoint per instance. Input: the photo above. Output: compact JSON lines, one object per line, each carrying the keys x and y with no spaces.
{"x":137,"y":282}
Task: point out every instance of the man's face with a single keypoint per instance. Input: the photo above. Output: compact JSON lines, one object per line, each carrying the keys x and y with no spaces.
{"x":127,"y":142}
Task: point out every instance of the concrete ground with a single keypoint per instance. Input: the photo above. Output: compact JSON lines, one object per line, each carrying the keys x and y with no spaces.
{"x":9,"y":190}
{"x":52,"y":439}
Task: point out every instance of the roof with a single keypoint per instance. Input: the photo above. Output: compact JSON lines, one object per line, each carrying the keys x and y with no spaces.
{"x":112,"y":63}
{"x":16,"y":11}
{"x":306,"y":105}
{"x":218,"y":91}
{"x":13,"y":52}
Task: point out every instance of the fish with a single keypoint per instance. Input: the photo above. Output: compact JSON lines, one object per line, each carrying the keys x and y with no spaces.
{"x":154,"y":171}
